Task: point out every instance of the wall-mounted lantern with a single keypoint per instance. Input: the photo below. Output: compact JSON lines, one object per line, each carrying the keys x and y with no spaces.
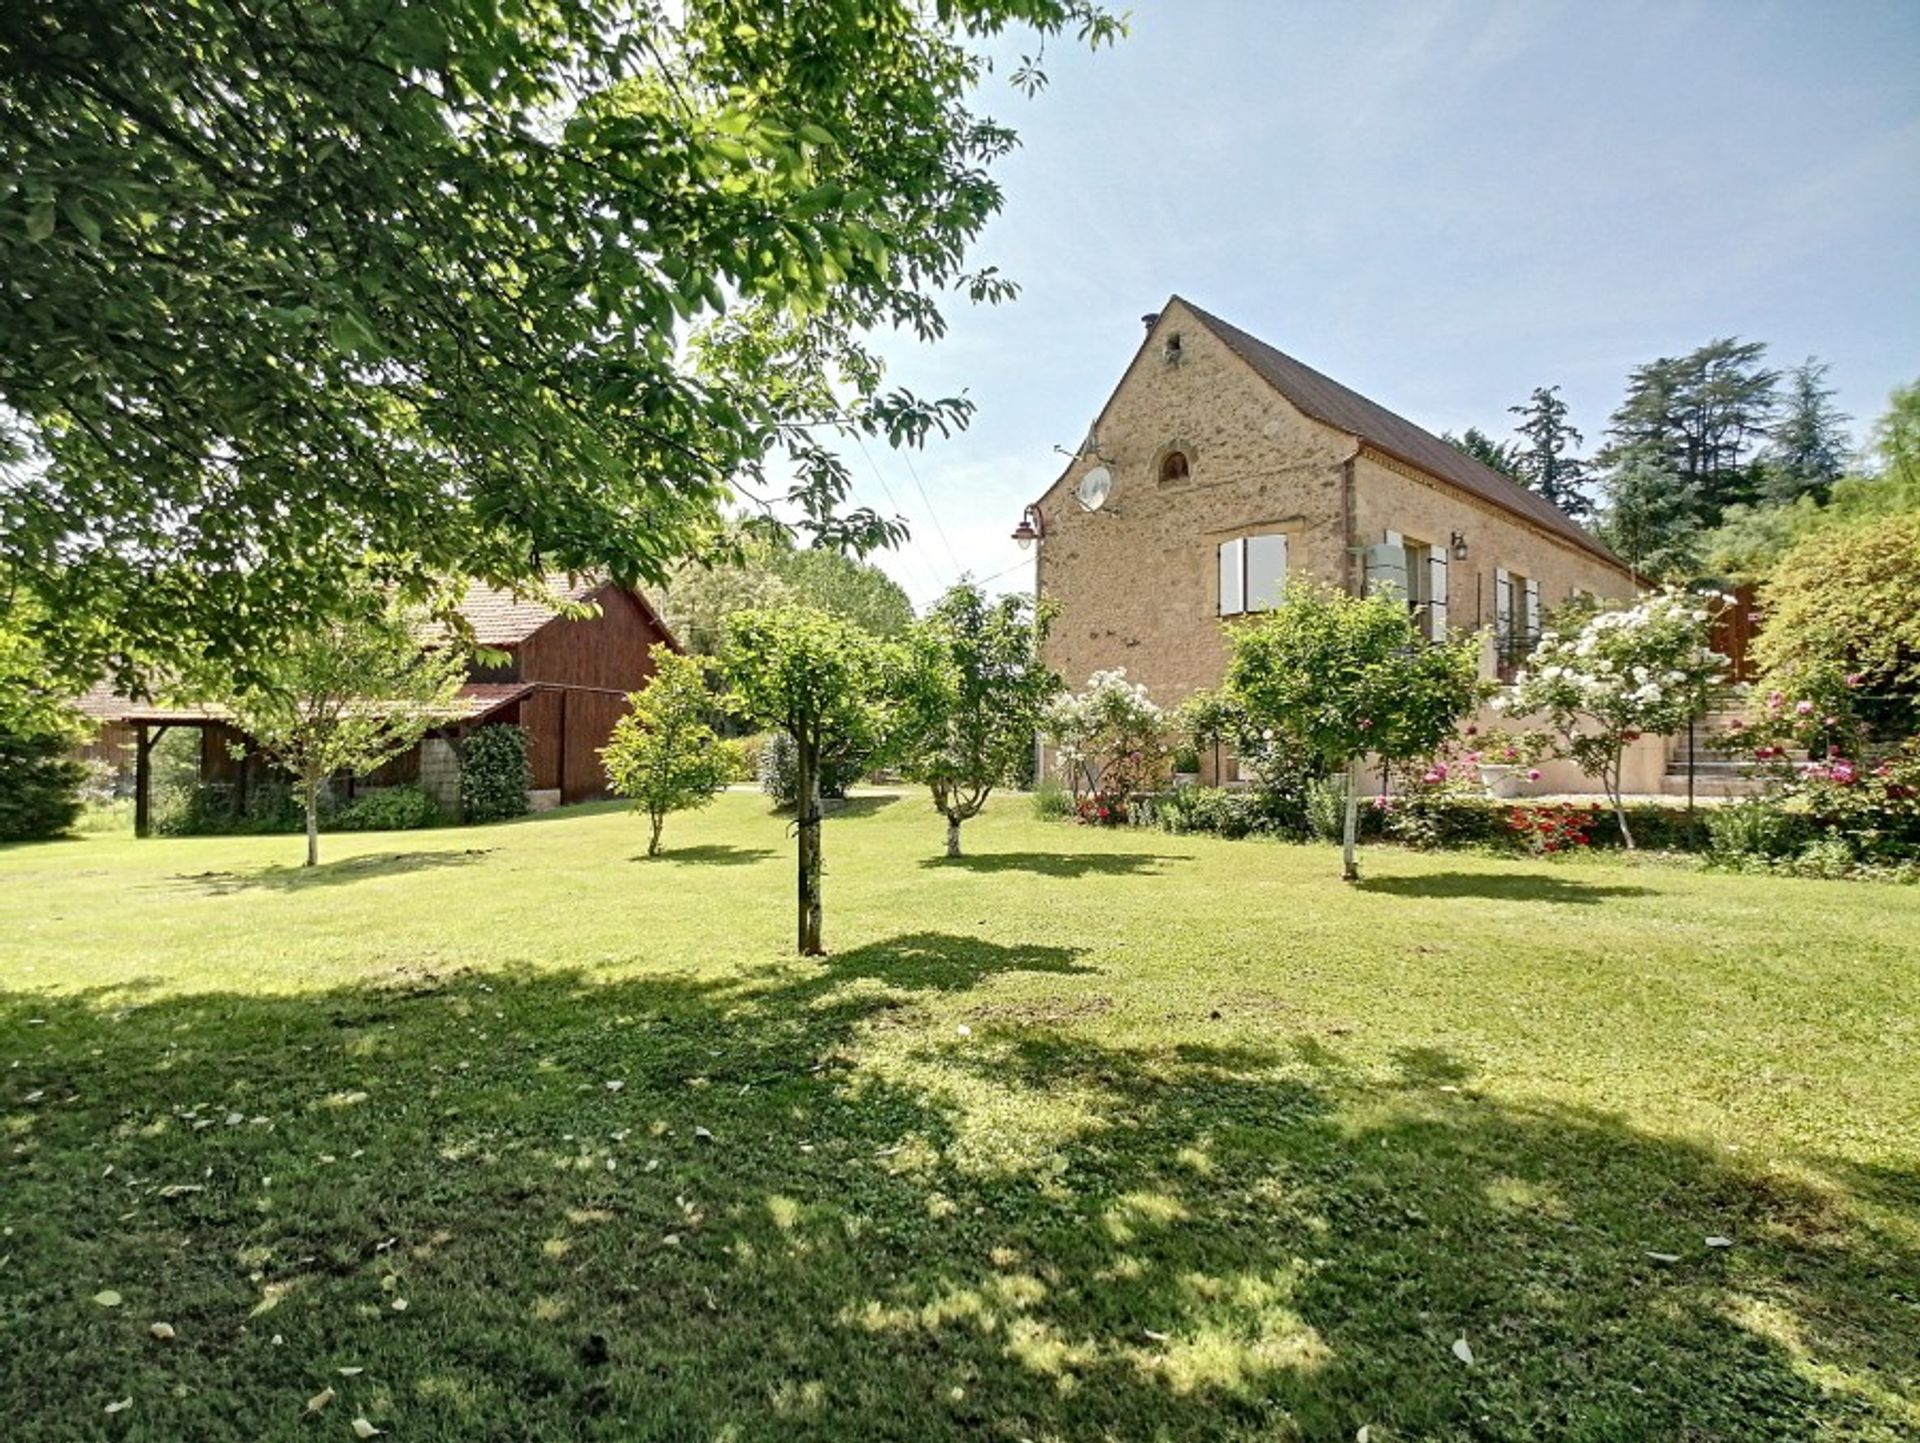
{"x":1031,"y":528}
{"x":1458,"y":545}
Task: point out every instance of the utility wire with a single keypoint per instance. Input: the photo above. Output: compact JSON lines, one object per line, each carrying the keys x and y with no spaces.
{"x":913,"y":540}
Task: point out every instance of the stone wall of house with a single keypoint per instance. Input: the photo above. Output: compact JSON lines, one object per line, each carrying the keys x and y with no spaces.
{"x":1391,"y":498}
{"x":440,"y":773}
{"x":1137,"y":581}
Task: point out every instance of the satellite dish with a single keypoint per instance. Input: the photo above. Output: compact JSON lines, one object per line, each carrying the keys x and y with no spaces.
{"x":1094,"y":488}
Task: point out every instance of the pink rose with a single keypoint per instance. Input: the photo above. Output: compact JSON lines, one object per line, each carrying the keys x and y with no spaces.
{"x":1776,"y":700}
{"x":1801,"y":708}
{"x":1533,"y":774}
{"x":1855,"y":679}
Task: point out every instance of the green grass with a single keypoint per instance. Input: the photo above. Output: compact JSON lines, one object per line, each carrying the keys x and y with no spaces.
{"x":1091,"y":1135}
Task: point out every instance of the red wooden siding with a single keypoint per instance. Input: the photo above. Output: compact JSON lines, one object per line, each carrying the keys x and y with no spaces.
{"x":608,"y":651}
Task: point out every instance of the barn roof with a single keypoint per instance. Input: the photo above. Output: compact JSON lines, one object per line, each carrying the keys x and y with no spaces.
{"x":474,"y":700}
{"x":499,"y":618}
{"x":1329,"y":402}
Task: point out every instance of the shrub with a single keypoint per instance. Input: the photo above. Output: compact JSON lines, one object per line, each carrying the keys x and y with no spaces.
{"x":494,"y":774}
{"x":1186,"y":758}
{"x":743,"y":757}
{"x":1754,"y":828}
{"x":216,"y":809}
{"x":1051,"y":803}
{"x":1326,"y":808}
{"x":1232,"y":813}
{"x":779,"y":771}
{"x":39,"y":785}
{"x":1553,"y":827}
{"x":388,"y":809}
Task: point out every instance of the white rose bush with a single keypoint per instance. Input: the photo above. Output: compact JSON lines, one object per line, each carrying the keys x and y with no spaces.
{"x":1602,"y":679}
{"x":1110,"y":741}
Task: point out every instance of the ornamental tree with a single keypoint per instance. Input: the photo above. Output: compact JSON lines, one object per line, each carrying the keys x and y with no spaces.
{"x":1111,"y":740}
{"x":1602,"y":679}
{"x":345,"y":697}
{"x":662,"y":754}
{"x":464,"y":287}
{"x":1843,"y":624}
{"x":829,"y":685}
{"x":974,"y":694}
{"x":1344,"y":678}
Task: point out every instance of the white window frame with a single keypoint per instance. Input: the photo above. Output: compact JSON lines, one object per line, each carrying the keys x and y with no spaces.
{"x":1234,"y":579}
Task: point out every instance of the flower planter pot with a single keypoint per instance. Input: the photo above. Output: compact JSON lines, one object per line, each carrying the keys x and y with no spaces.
{"x":1186,"y":779}
{"x":1501,"y":781}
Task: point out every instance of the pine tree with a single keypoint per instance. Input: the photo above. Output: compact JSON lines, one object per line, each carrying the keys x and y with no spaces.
{"x":1810,"y":441}
{"x":1501,"y":456}
{"x":1701,"y":415}
{"x":1545,"y":463}
{"x":1651,"y":515}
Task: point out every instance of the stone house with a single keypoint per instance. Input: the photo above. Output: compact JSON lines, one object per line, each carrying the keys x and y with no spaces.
{"x":1220,"y":468}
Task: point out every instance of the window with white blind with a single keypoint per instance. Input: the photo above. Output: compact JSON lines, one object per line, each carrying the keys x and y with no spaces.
{"x":1253,"y":574}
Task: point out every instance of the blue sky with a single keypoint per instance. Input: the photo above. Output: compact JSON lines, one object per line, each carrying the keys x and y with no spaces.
{"x":1442,"y":204}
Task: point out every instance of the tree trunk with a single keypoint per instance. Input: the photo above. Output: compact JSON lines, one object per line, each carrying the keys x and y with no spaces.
{"x":953,"y":836}
{"x":313,"y":824}
{"x":653,"y":842}
{"x":1618,"y":800}
{"x":1350,"y":827}
{"x":807,"y":774}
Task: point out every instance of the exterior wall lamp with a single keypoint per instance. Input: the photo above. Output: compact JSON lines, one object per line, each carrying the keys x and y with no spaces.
{"x":1457,"y":544}
{"x":1032,"y":527}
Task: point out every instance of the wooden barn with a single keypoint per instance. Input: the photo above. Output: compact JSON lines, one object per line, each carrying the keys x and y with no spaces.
{"x":564,"y":680}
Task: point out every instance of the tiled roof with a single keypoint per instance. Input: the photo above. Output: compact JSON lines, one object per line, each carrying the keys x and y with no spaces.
{"x":102,"y":703}
{"x":475,"y":699}
{"x":499,"y":618}
{"x":478,"y":698}
{"x":1326,"y":400}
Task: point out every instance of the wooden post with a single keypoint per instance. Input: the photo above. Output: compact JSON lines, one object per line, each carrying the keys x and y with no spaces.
{"x":142,"y":775}
{"x":143,"y":741}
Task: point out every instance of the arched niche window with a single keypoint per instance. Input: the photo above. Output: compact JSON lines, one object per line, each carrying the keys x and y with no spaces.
{"x":1174,"y":466}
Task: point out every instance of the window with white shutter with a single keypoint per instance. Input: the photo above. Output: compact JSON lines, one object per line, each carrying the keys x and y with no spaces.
{"x":1233,"y":577}
{"x":1253,"y":574}
{"x":1530,"y":626}
{"x":1437,"y":594}
{"x":1266,"y":572}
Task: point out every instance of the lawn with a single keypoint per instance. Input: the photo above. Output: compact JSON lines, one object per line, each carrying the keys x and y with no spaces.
{"x":509,"y":1133}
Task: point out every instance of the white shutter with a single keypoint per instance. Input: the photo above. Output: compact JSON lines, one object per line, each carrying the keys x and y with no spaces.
{"x":1266,"y":572}
{"x":1437,"y":594}
{"x":1502,"y":606}
{"x":1233,"y":590}
{"x":1386,"y":566}
{"x":1532,"y":622}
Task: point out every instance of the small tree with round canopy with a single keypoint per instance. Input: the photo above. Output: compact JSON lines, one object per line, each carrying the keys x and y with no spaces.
{"x":1345,"y":678}
{"x":974,"y":694}
{"x":346,"y":697}
{"x":662,"y":754}
{"x":829,"y":685}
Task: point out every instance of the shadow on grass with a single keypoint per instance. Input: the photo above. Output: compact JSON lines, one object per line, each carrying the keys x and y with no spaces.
{"x":884,"y":1231}
{"x":329,"y":874}
{"x":863,"y":805}
{"x":710,"y":854}
{"x":940,"y":961}
{"x":1500,"y":887}
{"x":1061,"y":864}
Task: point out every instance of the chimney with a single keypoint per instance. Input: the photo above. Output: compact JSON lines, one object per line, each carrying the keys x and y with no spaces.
{"x":1150,"y":319}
